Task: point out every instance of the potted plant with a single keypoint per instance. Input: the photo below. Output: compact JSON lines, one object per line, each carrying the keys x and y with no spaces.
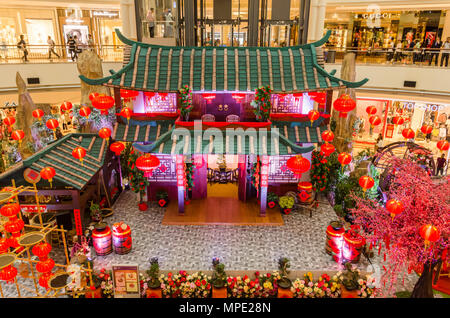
{"x":284,"y":283}
{"x":219,"y":279}
{"x":262,"y":103}
{"x":272,"y":200}
{"x":138,"y":182}
{"x":349,"y":282}
{"x":185,"y":102}
{"x":153,"y":282}
{"x":286,"y":203}
{"x":163,"y":198}
{"x":96,"y":213}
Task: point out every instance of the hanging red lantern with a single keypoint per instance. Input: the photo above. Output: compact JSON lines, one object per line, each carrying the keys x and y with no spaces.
{"x":374,"y":120}
{"x":9,"y":121}
{"x":311,"y":95}
{"x":313,"y":115}
{"x":327,"y":136}
{"x":38,"y":114}
{"x":128,"y":94}
{"x":10,"y":210}
{"x":344,"y":104}
{"x":298,"y":165}
{"x":327,"y":149}
{"x":147,"y":163}
{"x":209,"y":97}
{"x":44,"y":278}
{"x":41,"y":250}
{"x":429,"y":233}
{"x":48,"y":173}
{"x":45,"y":265}
{"x":238,"y":97}
{"x":105,"y":133}
{"x":85,"y":112}
{"x":103,"y":103}
{"x":408,"y":133}
{"x":443,"y":145}
{"x":398,"y":120}
{"x":8,"y":273}
{"x":371,"y":110}
{"x":320,"y":98}
{"x":14,"y":226}
{"x":52,"y":124}
{"x":79,"y":153}
{"x":3,"y":246}
{"x":394,"y":207}
{"x":426,"y":129}
{"x":92,"y":96}
{"x":127,"y":113}
{"x":344,"y":158}
{"x":366,"y":183}
{"x":66,"y":106}
{"x":117,"y":148}
{"x":18,"y":135}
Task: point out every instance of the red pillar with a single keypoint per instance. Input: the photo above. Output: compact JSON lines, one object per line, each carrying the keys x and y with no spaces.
{"x":181,"y":179}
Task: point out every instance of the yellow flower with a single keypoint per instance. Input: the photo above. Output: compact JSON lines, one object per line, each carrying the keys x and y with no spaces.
{"x":245,"y":288}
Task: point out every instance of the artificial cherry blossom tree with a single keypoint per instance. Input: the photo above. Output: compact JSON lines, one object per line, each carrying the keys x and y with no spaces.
{"x":425,"y":201}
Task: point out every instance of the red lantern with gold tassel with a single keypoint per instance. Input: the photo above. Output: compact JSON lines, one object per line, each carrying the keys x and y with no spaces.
{"x":327,"y":136}
{"x":147,"y":163}
{"x":374,"y":120}
{"x":429,"y":233}
{"x":398,"y":120}
{"x":126,"y":112}
{"x":105,"y":133}
{"x":366,"y":183}
{"x":117,"y":147}
{"x":344,"y":104}
{"x":298,"y":165}
{"x":313,"y":115}
{"x":394,"y":207}
{"x":66,"y":106}
{"x":48,"y":173}
{"x":9,"y":121}
{"x":38,"y":114}
{"x":8,"y":273}
{"x":10,"y":210}
{"x":408,"y":133}
{"x":18,"y":135}
{"x":426,"y":129}
{"x":52,"y":124}
{"x":344,"y":158}
{"x":443,"y":145}
{"x":85,"y":112}
{"x":371,"y":110}
{"x":103,"y":103}
{"x":79,"y":153}
{"x":327,"y":149}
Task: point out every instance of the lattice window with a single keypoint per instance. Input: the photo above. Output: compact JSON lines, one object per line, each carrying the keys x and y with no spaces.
{"x":286,"y":104}
{"x":158,"y":104}
{"x":278,"y":171}
{"x":166,"y":170}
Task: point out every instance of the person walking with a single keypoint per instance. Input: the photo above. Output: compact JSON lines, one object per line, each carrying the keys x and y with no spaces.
{"x":72,"y":47}
{"x":435,"y":47}
{"x":441,"y":163}
{"x":51,"y":48}
{"x":23,"y":46}
{"x":445,"y":52}
{"x":151,"y":22}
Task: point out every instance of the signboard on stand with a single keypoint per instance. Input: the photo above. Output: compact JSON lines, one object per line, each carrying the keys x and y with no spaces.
{"x":126,"y":281}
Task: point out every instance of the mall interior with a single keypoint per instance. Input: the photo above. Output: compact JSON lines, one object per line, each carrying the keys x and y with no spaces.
{"x":390,"y":57}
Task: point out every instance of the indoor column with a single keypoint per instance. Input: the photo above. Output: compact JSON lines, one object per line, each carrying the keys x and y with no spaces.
{"x":128,"y":16}
{"x":312,"y":26}
{"x":320,"y":19}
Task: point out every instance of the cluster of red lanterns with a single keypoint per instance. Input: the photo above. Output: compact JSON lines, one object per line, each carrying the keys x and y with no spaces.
{"x":298,"y":165}
{"x":45,"y":264}
{"x":327,"y":149}
{"x":147,"y":163}
{"x":48,"y":173}
{"x":344,"y":104}
{"x":14,"y":225}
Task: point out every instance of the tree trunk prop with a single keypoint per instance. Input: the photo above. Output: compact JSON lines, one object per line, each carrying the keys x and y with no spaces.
{"x":424,"y":286}
{"x":344,"y":126}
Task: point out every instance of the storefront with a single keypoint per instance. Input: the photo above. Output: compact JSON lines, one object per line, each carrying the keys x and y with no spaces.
{"x":376,"y":30}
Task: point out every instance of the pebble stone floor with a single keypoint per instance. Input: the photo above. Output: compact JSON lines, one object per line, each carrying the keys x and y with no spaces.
{"x":192,"y":247}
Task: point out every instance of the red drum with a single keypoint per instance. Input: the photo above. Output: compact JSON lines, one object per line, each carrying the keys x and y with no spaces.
{"x":352,"y":247}
{"x":335,"y":234}
{"x":305,"y":193}
{"x":121,"y":234}
{"x":102,"y":241}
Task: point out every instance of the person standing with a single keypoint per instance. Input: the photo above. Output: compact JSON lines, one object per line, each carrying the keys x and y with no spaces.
{"x":435,"y":51}
{"x":90,"y":42}
{"x":71,"y":45}
{"x":23,"y":46}
{"x":416,"y":52}
{"x":445,"y":52}
{"x":441,"y":163}
{"x":398,"y":51}
{"x":151,"y":22}
{"x":51,"y":47}
{"x":168,"y":24}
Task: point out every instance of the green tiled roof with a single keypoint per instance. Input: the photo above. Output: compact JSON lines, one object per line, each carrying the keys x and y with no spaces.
{"x":167,"y":68}
{"x":69,"y":172}
{"x":146,"y":131}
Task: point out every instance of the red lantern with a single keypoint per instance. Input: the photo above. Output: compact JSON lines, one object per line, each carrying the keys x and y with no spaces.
{"x":14,"y":226}
{"x":209,"y":97}
{"x":426,"y":129}
{"x":79,"y":153}
{"x":44,"y":278}
{"x":397,"y":120}
{"x":117,"y":148}
{"x":52,"y":124}
{"x":38,"y":113}
{"x":344,"y":158}
{"x":103,"y":103}
{"x":8,"y":273}
{"x":394,"y":207}
{"x":443,"y":145}
{"x":320,"y":98}
{"x":327,"y":136}
{"x":147,"y":163}
{"x":128,"y":95}
{"x":3,"y":246}
{"x":92,"y":96}
{"x":238,"y":97}
{"x":105,"y":133}
{"x":126,"y":112}
{"x":374,"y":120}
{"x":408,"y":133}
{"x":66,"y":106}
{"x":18,"y":135}
{"x":298,"y":165}
{"x":371,"y":110}
{"x":41,"y":250}
{"x":45,"y":265}
{"x":149,"y":94}
{"x":344,"y":104}
{"x":48,"y":173}
{"x":429,"y":233}
{"x":9,"y":121}
{"x":85,"y":112}
{"x":366,"y":183}
{"x":10,"y":210}
{"x":327,"y":149}
{"x":313,"y":115}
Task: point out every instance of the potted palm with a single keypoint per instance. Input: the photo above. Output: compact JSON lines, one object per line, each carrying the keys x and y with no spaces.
{"x":153,"y":282}
{"x":284,"y":283}
{"x":96,"y":213}
{"x":163,"y":198}
{"x":272,"y":200}
{"x":286,"y":204}
{"x":219,"y":279}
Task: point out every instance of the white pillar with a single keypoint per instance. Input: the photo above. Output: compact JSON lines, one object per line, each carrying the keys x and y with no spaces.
{"x":446,"y":30}
{"x":312,"y":21}
{"x":320,"y":22}
{"x":128,"y":16}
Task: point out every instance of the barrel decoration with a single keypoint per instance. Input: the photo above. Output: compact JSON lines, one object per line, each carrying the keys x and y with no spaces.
{"x":305,"y":192}
{"x":353,"y":244}
{"x":122,"y":241}
{"x":334,"y":240}
{"x":102,"y":241}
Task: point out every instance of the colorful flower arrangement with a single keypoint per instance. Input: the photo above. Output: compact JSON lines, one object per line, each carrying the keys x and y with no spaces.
{"x":263,"y":286}
{"x":325,"y":287}
{"x":364,"y":285}
{"x":262,"y":103}
{"x":286,"y":204}
{"x":162,"y":197}
{"x":189,"y":171}
{"x":182,"y":285}
{"x":319,"y":171}
{"x":272,"y":200}
{"x":105,"y":281}
{"x":185,"y":101}
{"x":138,"y":183}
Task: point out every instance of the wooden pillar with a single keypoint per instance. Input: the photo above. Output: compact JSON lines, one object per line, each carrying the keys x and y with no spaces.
{"x":264,"y":184}
{"x":242,"y":178}
{"x":76,"y":204}
{"x":199,"y":191}
{"x":181,"y":179}
{"x":329,"y":101}
{"x":117,"y":99}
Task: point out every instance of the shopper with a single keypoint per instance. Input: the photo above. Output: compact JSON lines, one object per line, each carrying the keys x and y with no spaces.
{"x":379,"y":142}
{"x":78,"y":45}
{"x":91,"y":44}
{"x":151,"y":22}
{"x":72,"y":48}
{"x":417,"y":52}
{"x":3,"y":49}
{"x":441,"y":163}
{"x":23,"y":46}
{"x":434,"y":54}
{"x":445,"y":52}
{"x":168,"y":24}
{"x":51,"y":47}
{"x":390,"y":51}
{"x":398,"y":51}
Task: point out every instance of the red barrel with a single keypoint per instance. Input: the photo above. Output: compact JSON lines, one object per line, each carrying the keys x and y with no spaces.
{"x":353,"y":245}
{"x":335,"y":233}
{"x":101,"y":239}
{"x":305,"y":193}
{"x":121,"y":234}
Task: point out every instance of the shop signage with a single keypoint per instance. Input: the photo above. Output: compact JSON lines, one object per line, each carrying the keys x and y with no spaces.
{"x":9,"y":104}
{"x":126,"y":281}
{"x":372,"y":16}
{"x":73,"y":20}
{"x":108,"y":14}
{"x":32,"y":208}
{"x":431,"y":107}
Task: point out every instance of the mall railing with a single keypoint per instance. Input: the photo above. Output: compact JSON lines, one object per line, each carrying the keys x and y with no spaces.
{"x":40,"y":53}
{"x":419,"y":57}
